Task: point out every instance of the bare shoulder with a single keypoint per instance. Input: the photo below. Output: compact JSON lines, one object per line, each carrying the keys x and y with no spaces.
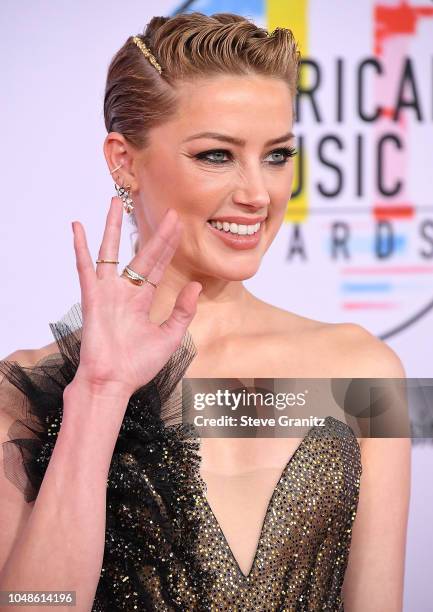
{"x":342,"y":349}
{"x":9,"y":394}
{"x":352,"y":349}
{"x":365,"y":355}
{"x":30,"y":357}
{"x":359,"y":353}
{"x":317,"y":349}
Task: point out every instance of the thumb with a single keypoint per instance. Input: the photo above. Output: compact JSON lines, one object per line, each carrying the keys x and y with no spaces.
{"x":183,"y":311}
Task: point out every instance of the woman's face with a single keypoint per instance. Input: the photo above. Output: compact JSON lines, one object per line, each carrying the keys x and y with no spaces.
{"x":238,"y":177}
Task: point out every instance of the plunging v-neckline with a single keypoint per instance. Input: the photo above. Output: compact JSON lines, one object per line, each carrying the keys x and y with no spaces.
{"x":267,"y":512}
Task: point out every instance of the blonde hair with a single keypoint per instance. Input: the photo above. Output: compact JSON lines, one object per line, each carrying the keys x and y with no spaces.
{"x":188,"y":46}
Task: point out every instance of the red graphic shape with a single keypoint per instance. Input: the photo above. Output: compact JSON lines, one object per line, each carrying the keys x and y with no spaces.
{"x":409,"y":269}
{"x":394,"y":211}
{"x":400,"y":19}
{"x":368,"y":305}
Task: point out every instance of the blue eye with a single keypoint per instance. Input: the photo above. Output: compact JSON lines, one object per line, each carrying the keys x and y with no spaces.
{"x":286,"y":152}
{"x":204,"y":156}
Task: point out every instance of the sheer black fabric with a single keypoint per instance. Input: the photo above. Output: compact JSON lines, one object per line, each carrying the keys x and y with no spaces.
{"x":151,"y":528}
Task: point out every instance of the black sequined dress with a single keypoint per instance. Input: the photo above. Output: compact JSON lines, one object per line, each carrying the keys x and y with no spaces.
{"x":164,"y":548}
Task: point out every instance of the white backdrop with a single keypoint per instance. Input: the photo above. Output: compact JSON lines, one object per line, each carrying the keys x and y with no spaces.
{"x":54,"y":61}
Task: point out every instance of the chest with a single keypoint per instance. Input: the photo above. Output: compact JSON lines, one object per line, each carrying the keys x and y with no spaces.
{"x":264,"y":356}
{"x":259,"y":536}
{"x":241,"y":475}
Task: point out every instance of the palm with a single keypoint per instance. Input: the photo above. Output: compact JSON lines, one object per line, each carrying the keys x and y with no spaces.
{"x":120,"y":347}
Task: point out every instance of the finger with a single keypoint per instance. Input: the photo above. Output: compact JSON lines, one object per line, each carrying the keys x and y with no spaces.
{"x":166,"y":236}
{"x":84,"y":263}
{"x":166,"y":256}
{"x":183,"y":312}
{"x":109,"y":248}
{"x":157,"y":272}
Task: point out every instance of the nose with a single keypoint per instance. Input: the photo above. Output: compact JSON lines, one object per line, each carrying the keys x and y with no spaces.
{"x":251,"y":190}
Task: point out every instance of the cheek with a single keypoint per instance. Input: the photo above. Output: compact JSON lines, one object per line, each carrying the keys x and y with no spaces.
{"x":182,"y":185}
{"x":199,"y":194}
{"x":281,"y":191}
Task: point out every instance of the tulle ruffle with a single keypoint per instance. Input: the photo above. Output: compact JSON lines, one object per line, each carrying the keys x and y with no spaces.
{"x":150,"y":561}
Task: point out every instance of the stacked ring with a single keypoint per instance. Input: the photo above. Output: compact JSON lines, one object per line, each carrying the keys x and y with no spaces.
{"x":130,"y":274}
{"x":135,"y":277}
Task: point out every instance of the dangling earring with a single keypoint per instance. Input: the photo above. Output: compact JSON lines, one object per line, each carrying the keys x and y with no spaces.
{"x":124,"y":193}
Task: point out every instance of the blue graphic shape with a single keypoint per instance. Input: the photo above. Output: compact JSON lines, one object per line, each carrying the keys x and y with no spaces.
{"x":241,"y":7}
{"x":366,"y":244}
{"x":399,"y":243}
{"x":351,"y":287}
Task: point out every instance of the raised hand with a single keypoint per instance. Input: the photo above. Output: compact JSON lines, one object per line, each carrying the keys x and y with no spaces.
{"x":121,"y":349}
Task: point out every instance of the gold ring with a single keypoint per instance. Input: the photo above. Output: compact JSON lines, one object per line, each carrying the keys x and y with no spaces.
{"x":135,"y":277}
{"x":107,"y":261}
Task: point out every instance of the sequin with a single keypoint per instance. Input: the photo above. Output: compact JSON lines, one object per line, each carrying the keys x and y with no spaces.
{"x":304,"y":544}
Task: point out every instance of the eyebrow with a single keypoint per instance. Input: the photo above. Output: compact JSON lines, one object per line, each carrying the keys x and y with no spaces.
{"x":237,"y":141}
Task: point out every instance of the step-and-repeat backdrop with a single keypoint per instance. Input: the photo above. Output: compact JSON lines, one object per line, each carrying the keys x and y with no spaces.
{"x":357,"y":241}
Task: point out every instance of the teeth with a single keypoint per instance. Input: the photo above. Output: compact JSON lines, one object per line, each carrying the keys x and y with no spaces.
{"x":235,"y":228}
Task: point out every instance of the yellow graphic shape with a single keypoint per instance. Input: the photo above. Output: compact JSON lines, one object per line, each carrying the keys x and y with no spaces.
{"x":293,"y":14}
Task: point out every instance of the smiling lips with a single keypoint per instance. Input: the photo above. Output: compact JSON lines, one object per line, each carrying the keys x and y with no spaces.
{"x":236,"y":228}
{"x":236,"y":235}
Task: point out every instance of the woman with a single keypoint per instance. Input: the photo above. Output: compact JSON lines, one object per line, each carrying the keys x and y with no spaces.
{"x":199,"y":114}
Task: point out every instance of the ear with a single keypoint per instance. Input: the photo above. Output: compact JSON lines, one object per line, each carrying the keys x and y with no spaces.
{"x":118,"y":152}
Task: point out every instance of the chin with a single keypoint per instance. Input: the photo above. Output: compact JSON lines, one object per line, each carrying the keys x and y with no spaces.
{"x":237,"y":273}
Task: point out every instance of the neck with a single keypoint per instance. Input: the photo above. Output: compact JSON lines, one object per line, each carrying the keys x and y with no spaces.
{"x":221,"y":309}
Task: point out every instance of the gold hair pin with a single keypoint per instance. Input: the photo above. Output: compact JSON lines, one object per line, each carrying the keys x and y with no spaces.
{"x":146,"y":52}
